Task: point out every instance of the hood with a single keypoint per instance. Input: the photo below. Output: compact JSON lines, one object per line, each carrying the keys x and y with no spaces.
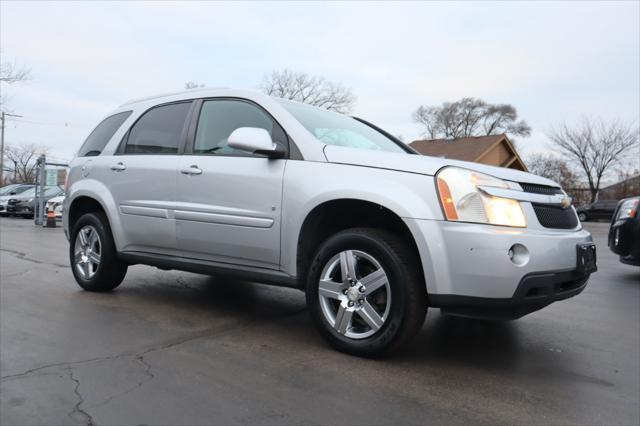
{"x":21,"y":199}
{"x":422,"y":164}
{"x":58,"y":199}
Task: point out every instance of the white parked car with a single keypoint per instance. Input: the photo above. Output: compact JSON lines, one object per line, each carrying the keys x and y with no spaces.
{"x":56,"y":204}
{"x":231,"y":182}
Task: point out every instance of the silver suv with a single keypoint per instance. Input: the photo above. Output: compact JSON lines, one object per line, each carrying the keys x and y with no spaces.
{"x":236,"y":183}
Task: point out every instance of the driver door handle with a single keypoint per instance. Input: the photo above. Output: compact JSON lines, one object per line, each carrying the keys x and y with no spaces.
{"x":191,"y":170}
{"x":118,"y":167}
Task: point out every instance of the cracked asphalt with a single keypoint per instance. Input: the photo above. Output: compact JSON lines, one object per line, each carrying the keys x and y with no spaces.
{"x":171,"y":347}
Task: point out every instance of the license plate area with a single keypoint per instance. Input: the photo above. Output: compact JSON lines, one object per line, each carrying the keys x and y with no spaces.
{"x":586,"y":258}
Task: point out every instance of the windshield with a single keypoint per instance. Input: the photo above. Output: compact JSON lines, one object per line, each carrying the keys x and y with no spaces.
{"x":7,"y":189}
{"x":332,"y":128}
{"x":17,"y":189}
{"x":50,"y":190}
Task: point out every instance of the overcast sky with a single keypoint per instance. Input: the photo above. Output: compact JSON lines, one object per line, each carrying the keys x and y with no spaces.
{"x":552,"y":60}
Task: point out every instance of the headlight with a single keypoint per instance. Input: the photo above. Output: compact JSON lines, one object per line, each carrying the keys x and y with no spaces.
{"x":462,"y":200}
{"x":29,"y":200}
{"x":629,"y":208}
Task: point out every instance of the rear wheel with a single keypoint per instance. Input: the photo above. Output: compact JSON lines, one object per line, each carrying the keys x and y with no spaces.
{"x":93,"y":256}
{"x":582,"y":216}
{"x":365,"y":293}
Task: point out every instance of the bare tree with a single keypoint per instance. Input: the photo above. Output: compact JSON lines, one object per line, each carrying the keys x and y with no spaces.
{"x":21,"y":161}
{"x":469,"y":117}
{"x":552,"y":167}
{"x":596,"y":146}
{"x":313,"y":90}
{"x":11,"y":73}
{"x":191,"y":85}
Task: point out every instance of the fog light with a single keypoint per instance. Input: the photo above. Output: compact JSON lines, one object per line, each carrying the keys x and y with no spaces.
{"x":518,"y":254}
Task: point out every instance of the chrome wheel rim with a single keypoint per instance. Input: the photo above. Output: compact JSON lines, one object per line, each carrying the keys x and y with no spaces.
{"x":87,"y":252}
{"x":354,"y":293}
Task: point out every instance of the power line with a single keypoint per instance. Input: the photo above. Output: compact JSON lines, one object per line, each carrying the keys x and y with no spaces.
{"x":42,"y":123}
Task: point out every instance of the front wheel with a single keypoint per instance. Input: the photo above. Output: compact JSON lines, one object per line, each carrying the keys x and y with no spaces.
{"x":92,"y":254}
{"x":365,"y":292}
{"x":582,"y":217}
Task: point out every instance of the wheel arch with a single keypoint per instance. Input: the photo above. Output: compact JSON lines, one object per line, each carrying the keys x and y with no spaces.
{"x":82,"y":199}
{"x":334,"y":215}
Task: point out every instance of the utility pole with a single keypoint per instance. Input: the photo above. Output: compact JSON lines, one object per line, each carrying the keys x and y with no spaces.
{"x":3,"y":118}
{"x":40,"y":186}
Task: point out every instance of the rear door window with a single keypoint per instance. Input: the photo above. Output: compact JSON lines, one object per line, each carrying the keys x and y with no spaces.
{"x":159,"y":131}
{"x":98,"y":139}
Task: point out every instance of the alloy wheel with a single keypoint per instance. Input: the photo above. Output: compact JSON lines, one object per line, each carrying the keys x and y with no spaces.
{"x":87,"y":252}
{"x":355,"y":296}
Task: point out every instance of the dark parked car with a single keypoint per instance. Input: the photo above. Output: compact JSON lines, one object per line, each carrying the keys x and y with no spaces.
{"x":11,"y":191}
{"x":602,"y":209}
{"x":624,"y":233}
{"x":24,"y":204}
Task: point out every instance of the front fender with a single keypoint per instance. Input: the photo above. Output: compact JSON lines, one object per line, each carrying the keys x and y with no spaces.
{"x":308,"y":185}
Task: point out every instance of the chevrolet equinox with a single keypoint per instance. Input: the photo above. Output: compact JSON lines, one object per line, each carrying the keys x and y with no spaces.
{"x":236,"y":183}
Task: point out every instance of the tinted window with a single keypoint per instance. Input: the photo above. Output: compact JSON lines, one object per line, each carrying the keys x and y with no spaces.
{"x":21,"y":189}
{"x":97,"y":140}
{"x":219,"y":118}
{"x":158,"y":131}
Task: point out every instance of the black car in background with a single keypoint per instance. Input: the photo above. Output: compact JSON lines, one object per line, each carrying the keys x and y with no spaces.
{"x":602,"y":209}
{"x":624,"y":233}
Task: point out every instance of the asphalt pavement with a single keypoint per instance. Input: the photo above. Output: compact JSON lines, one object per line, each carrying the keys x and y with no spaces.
{"x":170,"y":347}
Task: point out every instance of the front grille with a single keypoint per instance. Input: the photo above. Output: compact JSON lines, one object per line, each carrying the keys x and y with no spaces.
{"x":540,"y":189}
{"x":555,"y":217}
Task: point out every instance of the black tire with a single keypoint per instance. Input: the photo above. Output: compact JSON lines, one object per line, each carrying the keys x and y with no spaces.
{"x":583,"y":217}
{"x":408,"y":305}
{"x":111,"y":270}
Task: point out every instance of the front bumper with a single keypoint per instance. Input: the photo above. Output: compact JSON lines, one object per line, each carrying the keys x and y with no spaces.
{"x":473,"y":260}
{"x":624,"y":240}
{"x":534,"y":292}
{"x":18,"y":209}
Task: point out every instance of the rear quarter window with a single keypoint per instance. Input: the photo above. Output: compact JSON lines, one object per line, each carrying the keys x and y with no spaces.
{"x":98,"y":139}
{"x":159,"y":130}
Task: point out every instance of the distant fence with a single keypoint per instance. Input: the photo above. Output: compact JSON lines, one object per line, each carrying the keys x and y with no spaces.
{"x":624,"y":189}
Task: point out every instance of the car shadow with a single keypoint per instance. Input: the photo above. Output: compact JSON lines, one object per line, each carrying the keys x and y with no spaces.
{"x":630,"y":278}
{"x":443,"y":338}
{"x":447,"y":338}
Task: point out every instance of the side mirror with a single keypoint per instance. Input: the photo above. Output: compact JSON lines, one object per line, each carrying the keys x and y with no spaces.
{"x":254,"y":140}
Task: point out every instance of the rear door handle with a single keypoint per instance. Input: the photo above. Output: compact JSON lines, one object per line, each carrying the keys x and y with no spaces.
{"x":191,"y":170}
{"x":118,"y":167}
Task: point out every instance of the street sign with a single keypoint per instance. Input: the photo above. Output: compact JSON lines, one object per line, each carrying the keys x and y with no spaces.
{"x":52,"y":177}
